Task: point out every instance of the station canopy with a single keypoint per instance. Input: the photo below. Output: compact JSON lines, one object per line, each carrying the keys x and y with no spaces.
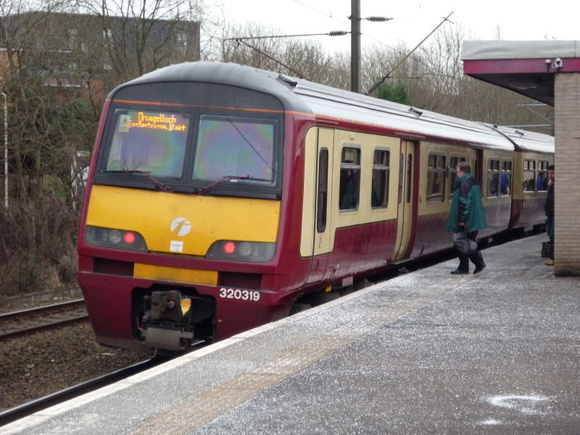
{"x":525,"y":67}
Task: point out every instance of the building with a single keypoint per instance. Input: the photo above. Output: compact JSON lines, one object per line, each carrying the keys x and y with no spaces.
{"x":81,"y":56}
{"x":549,"y":72}
{"x":75,"y":51}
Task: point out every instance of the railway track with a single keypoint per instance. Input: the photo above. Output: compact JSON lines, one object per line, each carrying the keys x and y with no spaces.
{"x":21,"y":411}
{"x":28,"y":321}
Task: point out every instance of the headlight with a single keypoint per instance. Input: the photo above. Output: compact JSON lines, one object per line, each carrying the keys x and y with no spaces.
{"x":116,"y":239}
{"x":241,"y":251}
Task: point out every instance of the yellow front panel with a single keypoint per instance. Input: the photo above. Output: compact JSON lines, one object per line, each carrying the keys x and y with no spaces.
{"x":190,"y":276}
{"x":183,"y":224}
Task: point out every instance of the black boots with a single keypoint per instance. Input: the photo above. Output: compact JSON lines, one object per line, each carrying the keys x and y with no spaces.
{"x":463,"y":268}
{"x":479,"y":263}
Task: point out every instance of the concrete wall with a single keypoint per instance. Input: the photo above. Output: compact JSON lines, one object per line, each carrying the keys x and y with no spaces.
{"x":567,"y":174}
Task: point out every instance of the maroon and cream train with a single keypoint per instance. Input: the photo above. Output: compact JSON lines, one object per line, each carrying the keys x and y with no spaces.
{"x":219,"y":195}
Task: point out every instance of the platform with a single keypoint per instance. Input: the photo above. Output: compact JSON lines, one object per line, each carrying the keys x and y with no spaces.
{"x":425,"y":352}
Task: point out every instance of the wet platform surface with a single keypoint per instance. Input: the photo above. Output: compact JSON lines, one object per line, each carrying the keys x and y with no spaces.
{"x":425,"y":352}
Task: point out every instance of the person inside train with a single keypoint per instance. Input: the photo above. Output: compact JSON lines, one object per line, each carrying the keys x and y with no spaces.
{"x":528,"y":185}
{"x":505,"y":185}
{"x":467,"y":215}
{"x":549,"y":209}
{"x":493,"y":185}
{"x":545,"y":181}
{"x":348,"y":189}
{"x":542,"y":184}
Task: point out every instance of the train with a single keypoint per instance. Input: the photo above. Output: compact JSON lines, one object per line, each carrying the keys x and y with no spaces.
{"x":221,"y":197}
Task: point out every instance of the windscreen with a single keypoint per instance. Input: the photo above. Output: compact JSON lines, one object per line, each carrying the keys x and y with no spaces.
{"x":230,"y":146}
{"x":193,"y":138}
{"x":148,"y":141}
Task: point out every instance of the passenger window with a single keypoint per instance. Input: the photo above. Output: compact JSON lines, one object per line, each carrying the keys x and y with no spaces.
{"x":436,"y":178}
{"x":542,"y":180}
{"x":349,"y":179}
{"x":506,"y":178}
{"x":529,"y":175}
{"x":453,"y":162}
{"x":380,"y":186}
{"x":492,"y":178}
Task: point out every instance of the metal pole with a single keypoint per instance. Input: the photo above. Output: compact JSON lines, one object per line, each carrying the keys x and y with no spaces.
{"x":355,"y":45}
{"x":5,"y":149}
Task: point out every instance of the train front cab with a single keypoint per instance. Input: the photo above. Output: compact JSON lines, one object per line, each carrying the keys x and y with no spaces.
{"x":180,"y":226}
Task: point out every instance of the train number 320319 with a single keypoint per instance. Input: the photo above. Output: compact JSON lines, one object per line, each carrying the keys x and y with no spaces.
{"x":242,"y":295}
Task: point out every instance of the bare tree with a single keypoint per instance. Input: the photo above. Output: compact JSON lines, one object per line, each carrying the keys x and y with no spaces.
{"x":40,"y":227}
{"x":137,"y":36}
{"x":435,"y":81}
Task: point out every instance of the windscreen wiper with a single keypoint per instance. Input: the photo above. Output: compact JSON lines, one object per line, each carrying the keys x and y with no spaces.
{"x":155,"y":181}
{"x":229,"y":178}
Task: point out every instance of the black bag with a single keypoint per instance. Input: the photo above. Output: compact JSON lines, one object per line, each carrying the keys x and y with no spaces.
{"x":464,"y":244}
{"x":546,"y":249}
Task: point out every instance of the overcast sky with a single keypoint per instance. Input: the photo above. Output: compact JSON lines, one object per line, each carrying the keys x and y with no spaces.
{"x":413,"y":20}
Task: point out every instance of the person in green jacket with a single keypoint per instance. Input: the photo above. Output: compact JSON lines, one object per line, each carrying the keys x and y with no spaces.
{"x":467,"y":215}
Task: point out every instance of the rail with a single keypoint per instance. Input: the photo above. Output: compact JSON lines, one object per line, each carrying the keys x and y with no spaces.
{"x":24,"y":322}
{"x":36,"y":405}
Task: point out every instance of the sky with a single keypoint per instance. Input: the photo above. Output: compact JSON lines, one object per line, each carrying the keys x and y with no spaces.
{"x":412,"y":20}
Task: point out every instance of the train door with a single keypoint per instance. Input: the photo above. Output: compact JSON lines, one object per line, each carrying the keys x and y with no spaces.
{"x":322,"y":229}
{"x":405,"y":200}
{"x":316,"y":239}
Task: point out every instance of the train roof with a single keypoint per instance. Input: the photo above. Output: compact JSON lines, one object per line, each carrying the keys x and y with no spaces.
{"x":527,"y":140}
{"x":322,"y":101}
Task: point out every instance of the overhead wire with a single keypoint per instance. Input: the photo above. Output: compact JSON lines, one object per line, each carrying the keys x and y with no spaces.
{"x":348,"y":26}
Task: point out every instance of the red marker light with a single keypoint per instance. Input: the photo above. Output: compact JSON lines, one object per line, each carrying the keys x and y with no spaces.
{"x":129,"y":238}
{"x":230,"y":248}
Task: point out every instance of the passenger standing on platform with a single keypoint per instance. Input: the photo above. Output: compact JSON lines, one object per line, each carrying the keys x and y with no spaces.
{"x":467,"y":215}
{"x":549,"y":208}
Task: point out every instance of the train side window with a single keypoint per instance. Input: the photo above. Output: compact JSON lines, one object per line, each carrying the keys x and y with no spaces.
{"x":542,"y":180}
{"x":436,"y":178}
{"x":453,"y":162}
{"x":506,"y":178}
{"x":322,"y":191}
{"x":381,"y":173}
{"x":492,"y":178}
{"x":529,"y":176}
{"x":349,"y":179}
